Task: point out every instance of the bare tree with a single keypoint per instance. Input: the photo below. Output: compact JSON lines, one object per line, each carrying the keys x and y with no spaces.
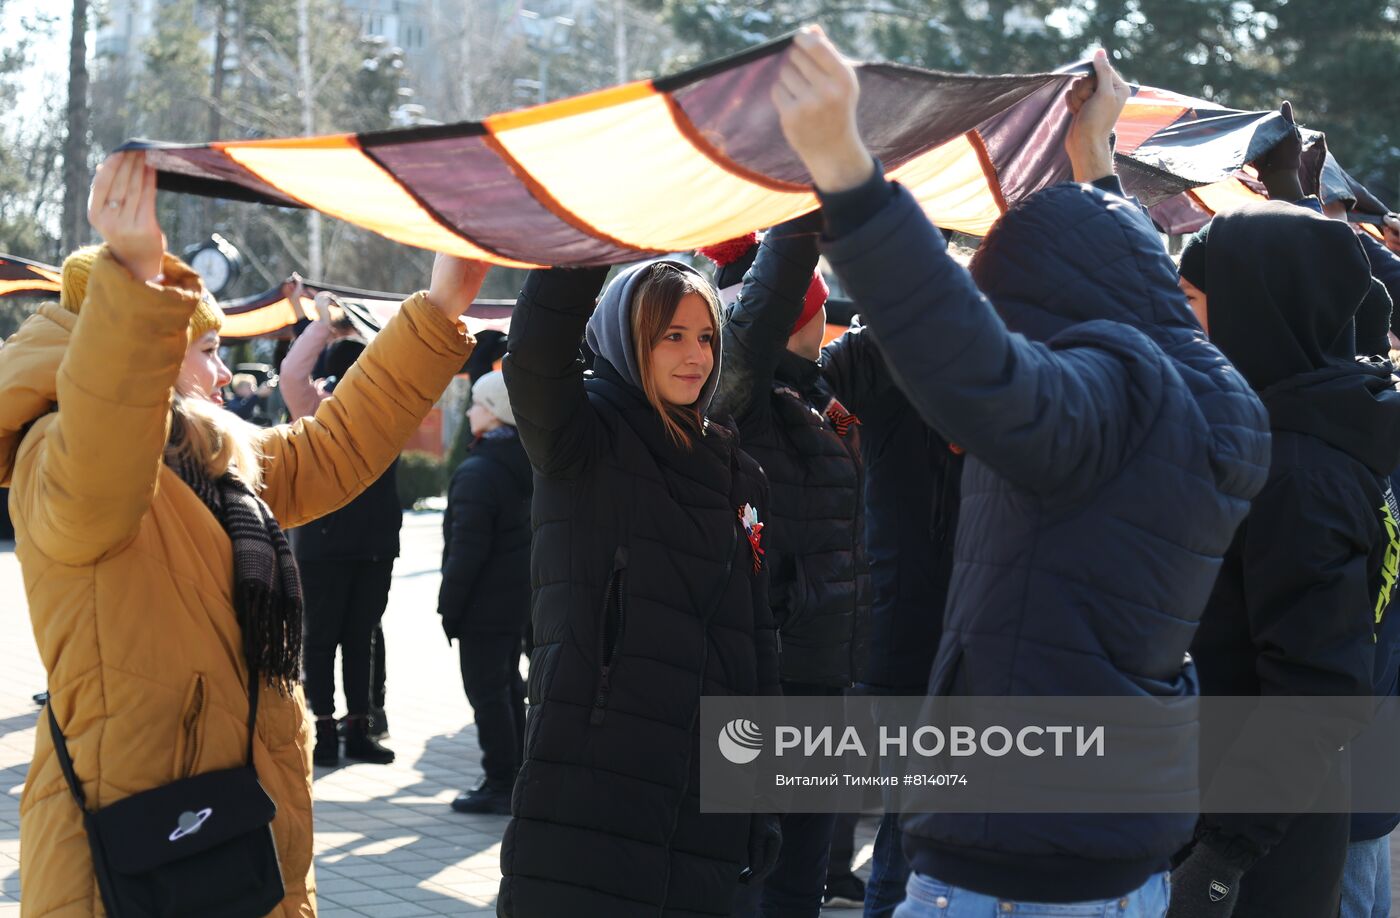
{"x":75,"y":148}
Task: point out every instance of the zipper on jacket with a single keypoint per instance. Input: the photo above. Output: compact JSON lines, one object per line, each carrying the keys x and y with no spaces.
{"x":190,"y":726}
{"x":739,"y":540}
{"x":610,"y":634}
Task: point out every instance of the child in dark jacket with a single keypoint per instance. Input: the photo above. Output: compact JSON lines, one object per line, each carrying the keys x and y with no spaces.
{"x":910,"y":504}
{"x":1295,"y":608}
{"x":484,"y":600}
{"x":819,"y":581}
{"x":1107,"y":443}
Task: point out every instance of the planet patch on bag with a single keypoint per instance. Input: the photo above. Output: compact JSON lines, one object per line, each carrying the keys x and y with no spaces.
{"x":190,"y":822}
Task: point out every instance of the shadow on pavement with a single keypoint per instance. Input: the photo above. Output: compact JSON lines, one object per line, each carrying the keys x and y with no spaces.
{"x":405,"y":844}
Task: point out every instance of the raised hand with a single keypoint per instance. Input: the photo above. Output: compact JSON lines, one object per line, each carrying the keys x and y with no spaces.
{"x":816,"y":95}
{"x":1278,"y":168}
{"x":1095,"y":101}
{"x":455,"y":284}
{"x":122,"y":209}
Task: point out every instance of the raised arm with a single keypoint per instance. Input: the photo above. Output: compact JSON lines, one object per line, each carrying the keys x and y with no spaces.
{"x":544,"y":370}
{"x":322,"y":462}
{"x":91,"y":478}
{"x":1043,"y":418}
{"x":757,"y":326}
{"x":298,"y":389}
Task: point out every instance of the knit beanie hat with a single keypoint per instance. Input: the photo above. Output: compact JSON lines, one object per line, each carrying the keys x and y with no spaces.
{"x":490,"y":392}
{"x":76,"y":268}
{"x":207,"y":316}
{"x":1193,"y":257}
{"x":73,"y":291}
{"x":734,"y":258}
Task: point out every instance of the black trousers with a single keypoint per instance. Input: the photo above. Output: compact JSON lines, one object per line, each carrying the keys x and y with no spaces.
{"x":376,"y":690}
{"x":843,"y":845}
{"x":491,"y":677}
{"x":344,"y":603}
{"x":795,"y":887}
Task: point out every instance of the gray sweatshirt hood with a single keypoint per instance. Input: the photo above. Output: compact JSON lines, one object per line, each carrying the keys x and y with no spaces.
{"x":610,"y":327}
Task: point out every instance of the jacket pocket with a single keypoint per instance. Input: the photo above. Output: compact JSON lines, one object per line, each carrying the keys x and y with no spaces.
{"x":610,"y":628}
{"x":189,"y":743}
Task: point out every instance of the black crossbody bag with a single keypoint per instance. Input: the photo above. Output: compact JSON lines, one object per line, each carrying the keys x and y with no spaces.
{"x":198,"y":846}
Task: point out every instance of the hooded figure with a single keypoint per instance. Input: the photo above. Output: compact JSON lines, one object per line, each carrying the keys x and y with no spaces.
{"x":1302,"y":590}
{"x":136,"y":590}
{"x":1111,"y":452}
{"x":647,"y":594}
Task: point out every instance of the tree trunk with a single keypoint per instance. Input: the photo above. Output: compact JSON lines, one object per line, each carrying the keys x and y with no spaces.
{"x":76,"y":179}
{"x":216,"y":84}
{"x":620,"y":41}
{"x":216,"y":98}
{"x":308,"y":124}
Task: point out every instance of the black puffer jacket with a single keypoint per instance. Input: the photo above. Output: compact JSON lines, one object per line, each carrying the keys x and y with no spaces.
{"x":820,"y":582}
{"x":366,"y":529}
{"x":1295,"y":609}
{"x":646,"y":597}
{"x":1112,"y":452}
{"x":486,"y":540}
{"x":913,"y":483}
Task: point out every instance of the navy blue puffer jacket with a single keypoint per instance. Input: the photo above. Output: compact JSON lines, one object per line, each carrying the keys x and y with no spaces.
{"x":1112,"y":452}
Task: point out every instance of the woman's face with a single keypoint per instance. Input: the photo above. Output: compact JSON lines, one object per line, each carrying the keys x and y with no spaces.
{"x":682,"y":360}
{"x":481,"y":419}
{"x":1196,"y":297}
{"x":203,"y":374}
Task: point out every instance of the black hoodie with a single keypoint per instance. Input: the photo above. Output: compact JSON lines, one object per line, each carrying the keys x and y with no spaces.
{"x":1292,"y":610}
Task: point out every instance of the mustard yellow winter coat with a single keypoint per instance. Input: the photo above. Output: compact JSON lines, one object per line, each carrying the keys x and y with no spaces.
{"x":129,"y":576}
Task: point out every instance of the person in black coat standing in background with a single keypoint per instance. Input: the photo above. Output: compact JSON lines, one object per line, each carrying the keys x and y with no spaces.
{"x":346,"y":560}
{"x":484,"y":600}
{"x":807,"y":443}
{"x":1294,"y":610}
{"x":649,"y":591}
{"x":1108,"y":442}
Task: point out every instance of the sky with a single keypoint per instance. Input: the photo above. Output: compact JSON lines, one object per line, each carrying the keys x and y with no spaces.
{"x":48,"y":58}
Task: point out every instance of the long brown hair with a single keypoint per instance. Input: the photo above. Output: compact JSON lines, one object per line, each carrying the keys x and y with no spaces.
{"x":654,"y":304}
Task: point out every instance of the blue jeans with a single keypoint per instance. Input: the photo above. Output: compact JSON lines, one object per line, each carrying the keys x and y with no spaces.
{"x":889,"y":871}
{"x":926,"y":897}
{"x":1366,"y":880}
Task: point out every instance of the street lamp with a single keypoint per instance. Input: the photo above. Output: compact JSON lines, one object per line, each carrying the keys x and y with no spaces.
{"x":546,"y":36}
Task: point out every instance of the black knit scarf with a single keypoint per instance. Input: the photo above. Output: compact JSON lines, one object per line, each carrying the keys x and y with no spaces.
{"x":266,"y":585}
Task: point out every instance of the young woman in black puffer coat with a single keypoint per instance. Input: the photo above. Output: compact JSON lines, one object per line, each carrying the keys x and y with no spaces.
{"x":647,"y":594}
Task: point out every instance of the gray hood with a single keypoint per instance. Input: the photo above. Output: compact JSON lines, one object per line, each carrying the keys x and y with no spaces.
{"x":610,"y":327}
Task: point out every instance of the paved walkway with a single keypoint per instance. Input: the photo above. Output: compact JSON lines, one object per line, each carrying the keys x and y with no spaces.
{"x":387,"y":845}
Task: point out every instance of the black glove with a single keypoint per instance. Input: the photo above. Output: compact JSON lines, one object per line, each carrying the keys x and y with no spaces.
{"x":765,"y":838}
{"x":1279,"y":167}
{"x":1287,"y":154}
{"x":1206,"y":884}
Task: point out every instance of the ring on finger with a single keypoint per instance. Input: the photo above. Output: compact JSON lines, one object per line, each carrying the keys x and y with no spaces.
{"x":113,"y":205}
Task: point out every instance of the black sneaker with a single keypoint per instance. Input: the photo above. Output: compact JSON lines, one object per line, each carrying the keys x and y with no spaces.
{"x":326,"y":752}
{"x":489,"y":797}
{"x":361,"y":747}
{"x":844,"y":892}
